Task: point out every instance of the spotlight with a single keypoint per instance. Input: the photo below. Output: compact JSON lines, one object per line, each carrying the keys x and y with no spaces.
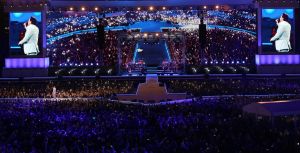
{"x":194,"y":70}
{"x":71,"y":8}
{"x":82,"y":8}
{"x":97,"y":71}
{"x":58,"y":71}
{"x":205,"y":7}
{"x":138,"y":8}
{"x":96,"y":9}
{"x":156,"y":34}
{"x":84,"y":71}
{"x":217,"y":7}
{"x":151,"y":8}
{"x":164,"y":8}
{"x":109,"y":71}
{"x":145,"y":35}
{"x":71,"y":71}
{"x":207,"y":70}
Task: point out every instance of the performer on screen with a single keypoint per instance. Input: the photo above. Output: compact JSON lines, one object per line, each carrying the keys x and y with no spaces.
{"x":31,"y":38}
{"x":283,"y":34}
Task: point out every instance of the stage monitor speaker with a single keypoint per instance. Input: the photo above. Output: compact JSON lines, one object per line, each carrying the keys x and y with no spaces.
{"x":202,"y":35}
{"x":101,"y":36}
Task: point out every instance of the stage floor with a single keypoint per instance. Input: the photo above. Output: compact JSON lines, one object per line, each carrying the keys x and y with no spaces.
{"x":152,"y":53}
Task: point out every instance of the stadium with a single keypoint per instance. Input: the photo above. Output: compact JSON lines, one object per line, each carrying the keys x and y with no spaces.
{"x":149,"y":76}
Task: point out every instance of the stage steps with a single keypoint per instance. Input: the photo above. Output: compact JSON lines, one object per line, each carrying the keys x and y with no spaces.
{"x":151,"y":92}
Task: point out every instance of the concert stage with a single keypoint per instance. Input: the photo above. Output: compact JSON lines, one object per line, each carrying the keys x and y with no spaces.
{"x":153,"y":53}
{"x":151,"y":92}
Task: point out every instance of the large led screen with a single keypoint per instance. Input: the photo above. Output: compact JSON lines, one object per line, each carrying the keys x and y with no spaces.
{"x":284,"y":35}
{"x":72,"y":38}
{"x":25,"y":34}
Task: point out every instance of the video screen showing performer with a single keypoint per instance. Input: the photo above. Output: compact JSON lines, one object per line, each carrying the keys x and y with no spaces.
{"x":283,"y":34}
{"x":25,"y":34}
{"x":277,"y":30}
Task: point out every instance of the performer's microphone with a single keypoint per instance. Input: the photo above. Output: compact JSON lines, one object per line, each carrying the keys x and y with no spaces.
{"x":25,"y":24}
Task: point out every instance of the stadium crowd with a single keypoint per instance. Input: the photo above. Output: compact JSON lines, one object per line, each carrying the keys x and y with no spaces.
{"x":83,"y":50}
{"x":108,"y":88}
{"x":110,"y":51}
{"x":259,"y":86}
{"x":222,"y":47}
{"x":176,"y":51}
{"x":238,"y":18}
{"x":76,"y":50}
{"x":128,"y":47}
{"x":66,"y":89}
{"x":92,"y":126}
{"x":59,"y":23}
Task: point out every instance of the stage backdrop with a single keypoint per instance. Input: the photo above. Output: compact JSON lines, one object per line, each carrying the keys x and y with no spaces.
{"x":72,"y":35}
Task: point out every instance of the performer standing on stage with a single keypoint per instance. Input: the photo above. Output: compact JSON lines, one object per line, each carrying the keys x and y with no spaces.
{"x":54,"y":92}
{"x":31,"y":38}
{"x":283,"y":34}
